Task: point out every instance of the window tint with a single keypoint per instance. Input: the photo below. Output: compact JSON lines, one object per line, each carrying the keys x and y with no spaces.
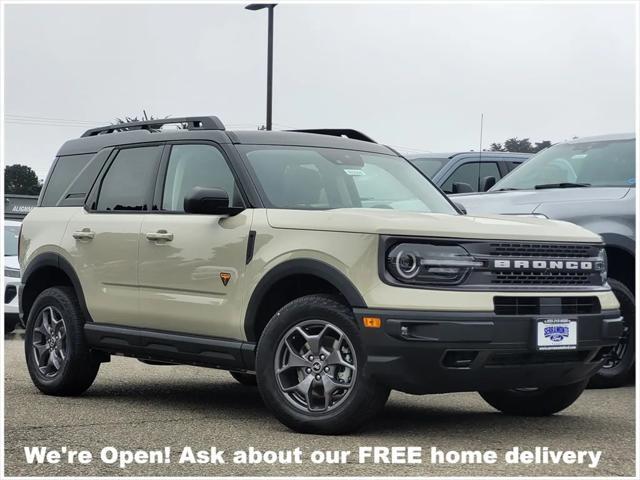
{"x":11,"y":236}
{"x":598,"y":164}
{"x":429,"y":166}
{"x":129,"y":181}
{"x":314,"y":178}
{"x":64,"y":172}
{"x":468,"y":173}
{"x":196,"y":166}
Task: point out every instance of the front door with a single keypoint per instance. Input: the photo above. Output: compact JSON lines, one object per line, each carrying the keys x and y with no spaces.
{"x":191,"y":267}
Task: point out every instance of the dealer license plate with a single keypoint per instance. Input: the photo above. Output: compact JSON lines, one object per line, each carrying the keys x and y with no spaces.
{"x":557,"y":334}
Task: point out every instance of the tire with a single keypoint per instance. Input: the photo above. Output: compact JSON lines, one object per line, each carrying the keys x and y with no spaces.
{"x":325,"y":322}
{"x":77,"y":366}
{"x":616,"y":372}
{"x":534,"y":403}
{"x":247,"y":379}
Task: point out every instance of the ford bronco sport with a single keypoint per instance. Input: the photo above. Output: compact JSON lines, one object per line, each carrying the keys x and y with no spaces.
{"x":327,"y":270}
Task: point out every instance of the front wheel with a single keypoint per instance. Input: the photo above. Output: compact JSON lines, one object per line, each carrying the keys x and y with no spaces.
{"x":534,"y":402}
{"x":311,"y":368}
{"x":616,"y":369}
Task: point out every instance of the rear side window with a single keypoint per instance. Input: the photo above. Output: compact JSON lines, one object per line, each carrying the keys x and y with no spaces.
{"x":470,"y":174}
{"x":64,"y":172}
{"x":128,"y":184}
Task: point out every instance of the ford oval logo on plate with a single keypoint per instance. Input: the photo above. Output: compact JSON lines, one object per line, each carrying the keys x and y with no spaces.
{"x":557,"y":334}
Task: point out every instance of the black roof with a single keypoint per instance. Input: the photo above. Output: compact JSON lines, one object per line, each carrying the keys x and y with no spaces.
{"x":210,"y":128}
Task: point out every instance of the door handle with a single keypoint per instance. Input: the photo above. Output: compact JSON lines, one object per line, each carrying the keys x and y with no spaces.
{"x":84,"y":234}
{"x":159,"y":235}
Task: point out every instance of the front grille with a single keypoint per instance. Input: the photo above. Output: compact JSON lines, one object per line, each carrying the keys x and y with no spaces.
{"x":517,"y":249}
{"x":536,"y":358}
{"x":546,"y":305}
{"x":10,"y":293}
{"x":546,"y":277}
{"x":517,"y":265}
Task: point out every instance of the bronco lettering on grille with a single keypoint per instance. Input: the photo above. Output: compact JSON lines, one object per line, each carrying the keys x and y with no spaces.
{"x":544,"y":265}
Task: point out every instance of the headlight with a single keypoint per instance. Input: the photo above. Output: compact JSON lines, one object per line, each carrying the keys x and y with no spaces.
{"x":602,"y":263}
{"x":430,"y":264}
{"x":11,"y":272}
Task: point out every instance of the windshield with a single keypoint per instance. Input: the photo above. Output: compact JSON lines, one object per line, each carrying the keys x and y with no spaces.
{"x":313,"y":178}
{"x":589,"y":164}
{"x":429,"y":166}
{"x":11,"y":234}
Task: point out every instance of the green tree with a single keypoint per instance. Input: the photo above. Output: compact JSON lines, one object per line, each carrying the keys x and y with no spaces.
{"x":542,"y":145}
{"x":518,"y":145}
{"x":521,"y":145}
{"x":21,"y":180}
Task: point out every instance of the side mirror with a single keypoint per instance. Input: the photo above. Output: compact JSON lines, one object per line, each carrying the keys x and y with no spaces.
{"x":460,"y":208}
{"x":209,"y":201}
{"x":461,"y":187}
{"x":486,"y":183}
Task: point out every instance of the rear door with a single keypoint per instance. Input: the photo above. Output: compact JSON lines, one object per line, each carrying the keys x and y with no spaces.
{"x":103,"y":237}
{"x":191,"y":266}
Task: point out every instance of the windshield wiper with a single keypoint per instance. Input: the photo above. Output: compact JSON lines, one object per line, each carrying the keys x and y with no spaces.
{"x":561,"y":185}
{"x":510,"y":189}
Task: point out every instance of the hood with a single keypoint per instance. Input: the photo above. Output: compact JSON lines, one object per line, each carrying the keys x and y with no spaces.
{"x":526,"y":201}
{"x":393,"y":222}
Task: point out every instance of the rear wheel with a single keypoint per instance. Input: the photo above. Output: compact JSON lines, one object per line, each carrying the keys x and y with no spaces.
{"x":311,"y":368}
{"x":248,"y":379}
{"x":615,"y":371}
{"x":58,"y":358}
{"x":534,"y":402}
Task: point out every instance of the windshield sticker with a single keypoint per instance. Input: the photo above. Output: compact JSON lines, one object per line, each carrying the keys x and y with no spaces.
{"x":354,"y":172}
{"x":631,"y":181}
{"x":579,"y":155}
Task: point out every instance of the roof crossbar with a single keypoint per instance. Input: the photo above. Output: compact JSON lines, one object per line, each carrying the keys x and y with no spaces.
{"x":192,"y":123}
{"x":338,"y":132}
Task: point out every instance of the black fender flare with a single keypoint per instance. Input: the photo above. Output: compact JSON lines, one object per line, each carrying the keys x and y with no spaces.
{"x":55,"y":260}
{"x":619,"y":241}
{"x":316,"y":268}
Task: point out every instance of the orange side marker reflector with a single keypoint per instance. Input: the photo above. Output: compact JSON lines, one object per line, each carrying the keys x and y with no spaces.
{"x":372,"y":322}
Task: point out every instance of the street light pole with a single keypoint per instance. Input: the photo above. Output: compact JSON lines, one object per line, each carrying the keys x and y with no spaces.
{"x":270,"y":7}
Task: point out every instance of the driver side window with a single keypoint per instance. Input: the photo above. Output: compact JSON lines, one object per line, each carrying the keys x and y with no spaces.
{"x":196,"y":166}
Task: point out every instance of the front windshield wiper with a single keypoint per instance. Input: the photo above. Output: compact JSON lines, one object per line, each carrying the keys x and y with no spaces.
{"x":561,"y":185}
{"x":510,"y":189}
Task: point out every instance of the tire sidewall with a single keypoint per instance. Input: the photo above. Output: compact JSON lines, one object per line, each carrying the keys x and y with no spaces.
{"x":58,"y":298}
{"x":627,"y":310}
{"x":279,"y":325}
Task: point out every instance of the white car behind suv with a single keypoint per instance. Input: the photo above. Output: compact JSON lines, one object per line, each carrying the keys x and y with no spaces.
{"x":11,"y":274}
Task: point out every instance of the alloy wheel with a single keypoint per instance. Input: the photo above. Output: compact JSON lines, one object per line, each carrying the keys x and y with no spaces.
{"x":315,"y":366}
{"x":49,"y":341}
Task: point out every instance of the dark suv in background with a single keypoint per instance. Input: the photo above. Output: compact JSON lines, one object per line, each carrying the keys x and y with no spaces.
{"x":590,"y":182}
{"x":466,"y":172}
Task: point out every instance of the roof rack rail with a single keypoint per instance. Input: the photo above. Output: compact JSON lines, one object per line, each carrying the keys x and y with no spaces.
{"x":338,"y":132}
{"x":192,"y":123}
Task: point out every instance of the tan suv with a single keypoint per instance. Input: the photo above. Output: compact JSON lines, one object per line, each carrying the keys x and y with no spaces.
{"x":327,"y":270}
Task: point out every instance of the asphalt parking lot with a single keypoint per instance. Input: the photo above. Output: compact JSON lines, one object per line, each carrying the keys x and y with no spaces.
{"x":135,"y":406}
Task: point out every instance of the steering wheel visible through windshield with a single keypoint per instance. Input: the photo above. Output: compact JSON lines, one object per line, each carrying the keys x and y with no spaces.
{"x":314,"y":178}
{"x":588,"y":164}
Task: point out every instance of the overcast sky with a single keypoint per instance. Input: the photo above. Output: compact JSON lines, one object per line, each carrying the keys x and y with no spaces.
{"x":413,"y":76}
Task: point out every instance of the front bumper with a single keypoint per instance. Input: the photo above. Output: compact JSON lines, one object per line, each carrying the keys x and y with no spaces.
{"x":436,"y":352}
